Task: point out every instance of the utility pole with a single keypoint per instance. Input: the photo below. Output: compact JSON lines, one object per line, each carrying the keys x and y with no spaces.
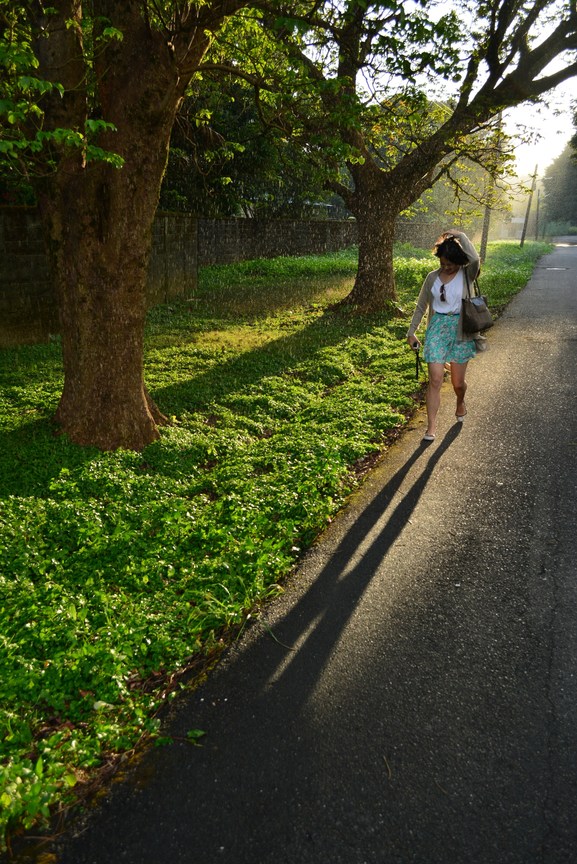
{"x":485,"y":234}
{"x":533,"y":184}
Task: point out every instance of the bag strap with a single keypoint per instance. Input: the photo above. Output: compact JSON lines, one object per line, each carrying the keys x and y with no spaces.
{"x":477,"y":290}
{"x":418,"y":364}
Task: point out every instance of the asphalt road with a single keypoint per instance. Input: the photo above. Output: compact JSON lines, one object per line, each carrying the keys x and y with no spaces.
{"x":412,"y":698}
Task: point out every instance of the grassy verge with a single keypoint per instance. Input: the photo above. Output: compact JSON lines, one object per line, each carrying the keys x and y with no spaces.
{"x":120,"y":570}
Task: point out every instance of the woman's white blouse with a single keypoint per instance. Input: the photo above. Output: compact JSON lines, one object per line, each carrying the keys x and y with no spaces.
{"x":453,"y":293}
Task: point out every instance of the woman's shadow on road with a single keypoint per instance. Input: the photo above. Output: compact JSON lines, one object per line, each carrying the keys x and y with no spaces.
{"x":312,"y":627}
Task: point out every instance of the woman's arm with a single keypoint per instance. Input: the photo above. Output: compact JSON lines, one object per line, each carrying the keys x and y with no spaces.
{"x":474,"y":265}
{"x":422,"y":305}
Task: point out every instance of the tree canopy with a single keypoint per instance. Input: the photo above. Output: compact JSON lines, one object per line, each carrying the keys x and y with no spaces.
{"x":560,"y":188}
{"x":398,"y":93}
{"x":224,"y":161}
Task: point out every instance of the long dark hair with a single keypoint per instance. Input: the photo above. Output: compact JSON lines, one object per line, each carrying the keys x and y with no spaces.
{"x":448,"y":246}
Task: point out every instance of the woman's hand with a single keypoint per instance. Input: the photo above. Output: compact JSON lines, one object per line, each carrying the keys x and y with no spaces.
{"x":413,"y":342}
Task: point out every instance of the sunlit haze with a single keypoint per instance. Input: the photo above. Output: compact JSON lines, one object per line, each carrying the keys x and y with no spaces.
{"x":553,"y":125}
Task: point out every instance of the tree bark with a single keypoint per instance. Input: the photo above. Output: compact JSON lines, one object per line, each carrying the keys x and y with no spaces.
{"x":375,"y":207}
{"x":374,"y":289}
{"x":98,"y":219}
{"x":100,"y":276}
{"x":98,"y":225}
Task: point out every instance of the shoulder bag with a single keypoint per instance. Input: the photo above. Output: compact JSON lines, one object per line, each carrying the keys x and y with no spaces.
{"x":476,"y":315}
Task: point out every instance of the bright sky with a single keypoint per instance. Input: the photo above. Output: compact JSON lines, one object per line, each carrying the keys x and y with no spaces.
{"x":555,"y":129}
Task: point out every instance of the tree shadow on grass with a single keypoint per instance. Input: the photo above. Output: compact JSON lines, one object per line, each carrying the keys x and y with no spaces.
{"x":33,"y":455}
{"x":259,"y":300}
{"x":274,"y":358}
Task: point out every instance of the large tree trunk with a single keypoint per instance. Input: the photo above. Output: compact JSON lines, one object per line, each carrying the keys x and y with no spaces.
{"x":98,"y":224}
{"x":375,"y":211}
{"x":100,"y":261}
{"x":98,"y":219}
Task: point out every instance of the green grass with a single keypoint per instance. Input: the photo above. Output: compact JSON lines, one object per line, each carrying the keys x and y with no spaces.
{"x":121,"y":570}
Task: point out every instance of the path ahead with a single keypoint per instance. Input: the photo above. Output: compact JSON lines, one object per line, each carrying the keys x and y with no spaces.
{"x":426,"y":710}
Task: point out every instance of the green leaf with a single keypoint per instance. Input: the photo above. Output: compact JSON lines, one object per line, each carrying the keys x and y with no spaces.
{"x":194,"y":735}
{"x":112,"y":33}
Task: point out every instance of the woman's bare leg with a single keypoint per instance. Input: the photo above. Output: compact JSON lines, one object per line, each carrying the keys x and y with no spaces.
{"x":458,"y":371}
{"x":436,"y":374}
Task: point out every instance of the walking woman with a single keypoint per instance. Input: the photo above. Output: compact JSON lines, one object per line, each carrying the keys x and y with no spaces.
{"x":445,"y":342}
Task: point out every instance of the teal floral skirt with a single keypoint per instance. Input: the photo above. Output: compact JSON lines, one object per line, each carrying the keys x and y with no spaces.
{"x":441,"y":343}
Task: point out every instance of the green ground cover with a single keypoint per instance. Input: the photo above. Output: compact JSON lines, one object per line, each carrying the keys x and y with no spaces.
{"x":120,"y":570}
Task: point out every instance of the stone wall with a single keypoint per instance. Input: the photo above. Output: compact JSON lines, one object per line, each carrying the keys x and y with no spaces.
{"x":27,"y":305}
{"x":423,"y":235}
{"x":173,"y":268}
{"x":27,"y":308}
{"x":224,"y":241}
